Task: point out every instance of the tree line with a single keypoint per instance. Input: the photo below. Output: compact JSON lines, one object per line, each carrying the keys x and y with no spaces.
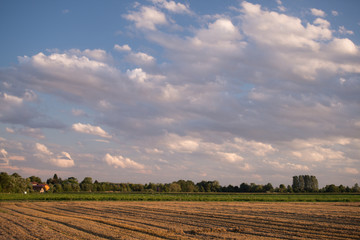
{"x":301,"y":184}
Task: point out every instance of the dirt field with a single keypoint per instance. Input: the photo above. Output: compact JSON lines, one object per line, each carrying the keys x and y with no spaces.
{"x":179,"y":220}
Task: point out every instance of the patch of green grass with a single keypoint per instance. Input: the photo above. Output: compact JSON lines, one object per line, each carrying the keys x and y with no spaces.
{"x":229,"y":197}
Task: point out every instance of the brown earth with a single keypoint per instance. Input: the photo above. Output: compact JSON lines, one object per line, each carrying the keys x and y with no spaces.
{"x":179,"y":220}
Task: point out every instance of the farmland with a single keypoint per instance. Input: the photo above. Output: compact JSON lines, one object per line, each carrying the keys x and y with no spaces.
{"x":178,"y":220}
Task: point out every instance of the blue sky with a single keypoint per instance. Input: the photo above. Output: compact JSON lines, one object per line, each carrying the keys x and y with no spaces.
{"x":162,"y":90}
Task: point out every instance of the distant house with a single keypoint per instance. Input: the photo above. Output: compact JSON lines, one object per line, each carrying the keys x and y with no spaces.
{"x":39,"y":187}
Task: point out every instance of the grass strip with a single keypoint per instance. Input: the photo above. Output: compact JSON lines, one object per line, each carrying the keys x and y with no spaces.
{"x":228,"y":197}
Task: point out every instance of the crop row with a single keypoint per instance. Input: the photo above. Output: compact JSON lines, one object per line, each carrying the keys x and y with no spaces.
{"x":231,"y":197}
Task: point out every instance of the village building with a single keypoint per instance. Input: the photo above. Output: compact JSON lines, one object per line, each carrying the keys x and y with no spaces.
{"x":40,"y":187}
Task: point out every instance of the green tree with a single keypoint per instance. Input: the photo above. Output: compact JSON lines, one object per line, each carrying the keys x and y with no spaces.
{"x":208,"y":186}
{"x":259,"y":188}
{"x":282,"y":188}
{"x":215,"y":186}
{"x":255,"y":188}
{"x":244,"y":187}
{"x":314,"y":184}
{"x":305,"y":183}
{"x":73,"y":180}
{"x":5,"y":182}
{"x":187,"y":186}
{"x":35,"y":179}
{"x":296,"y":184}
{"x":230,"y":188}
{"x":16,"y":175}
{"x":67,"y":187}
{"x":356,"y":188}
{"x":86,"y":184}
{"x":97,"y":186}
{"x":136,"y":187}
{"x":54,"y":180}
{"x":174,"y":187}
{"x":75,"y":187}
{"x":331,"y":188}
{"x":342,"y":188}
{"x":58,"y":188}
{"x":166,"y":187}
{"x":18,"y":184}
{"x":203,"y":186}
{"x":151,"y":187}
{"x":301,"y":183}
{"x":268,"y":187}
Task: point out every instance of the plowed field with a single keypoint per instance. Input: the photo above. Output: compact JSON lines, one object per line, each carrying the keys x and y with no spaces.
{"x":179,"y":220}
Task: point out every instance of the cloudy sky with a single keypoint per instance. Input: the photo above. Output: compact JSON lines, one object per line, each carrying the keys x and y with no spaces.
{"x":162,"y":90}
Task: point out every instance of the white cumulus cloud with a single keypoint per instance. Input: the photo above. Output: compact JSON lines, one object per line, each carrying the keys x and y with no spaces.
{"x":221,"y":32}
{"x":230,"y":157}
{"x":317,"y":12}
{"x":172,"y":6}
{"x":62,"y":160}
{"x":43,"y":149}
{"x":90,"y":129}
{"x":182,"y":144}
{"x":343,"y":30}
{"x":13,"y":100}
{"x":147,"y":18}
{"x":318,"y":150}
{"x":123,"y":48}
{"x":4,"y":161}
{"x":120,"y":161}
{"x":274,"y":29}
{"x":343,"y":46}
{"x":141,"y":58}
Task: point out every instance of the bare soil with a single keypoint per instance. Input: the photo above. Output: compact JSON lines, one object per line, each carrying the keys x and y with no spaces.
{"x":178,"y":220}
